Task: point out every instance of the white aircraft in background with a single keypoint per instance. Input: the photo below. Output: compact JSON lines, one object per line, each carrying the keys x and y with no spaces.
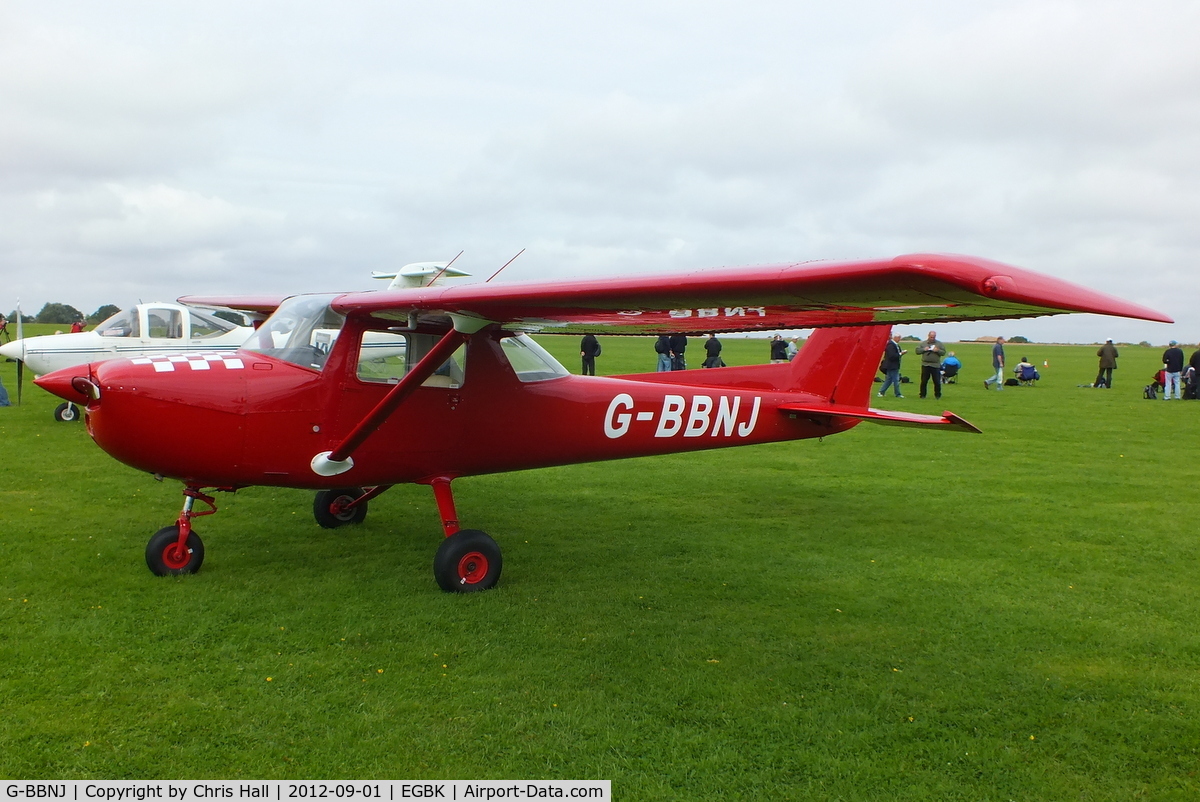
{"x":152,"y":329}
{"x":166,"y":329}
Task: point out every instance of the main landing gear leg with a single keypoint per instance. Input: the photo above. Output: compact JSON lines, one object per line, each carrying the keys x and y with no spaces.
{"x":468,"y":560}
{"x":177,"y":549}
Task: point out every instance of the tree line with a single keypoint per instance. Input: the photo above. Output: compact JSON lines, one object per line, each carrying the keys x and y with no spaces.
{"x":66,"y":314}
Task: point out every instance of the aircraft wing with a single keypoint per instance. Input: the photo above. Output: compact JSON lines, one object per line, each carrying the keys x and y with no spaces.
{"x":256,"y":305}
{"x":919,"y":288}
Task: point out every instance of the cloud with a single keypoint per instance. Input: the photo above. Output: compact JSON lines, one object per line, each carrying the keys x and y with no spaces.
{"x":292,"y":147}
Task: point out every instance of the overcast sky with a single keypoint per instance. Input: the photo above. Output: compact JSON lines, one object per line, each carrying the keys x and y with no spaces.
{"x":150,"y":150}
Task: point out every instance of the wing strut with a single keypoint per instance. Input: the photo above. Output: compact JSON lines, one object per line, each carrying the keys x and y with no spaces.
{"x":332,"y":463}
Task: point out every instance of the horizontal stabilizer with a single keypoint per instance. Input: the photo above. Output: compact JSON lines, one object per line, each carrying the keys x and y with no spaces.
{"x":886,"y":417}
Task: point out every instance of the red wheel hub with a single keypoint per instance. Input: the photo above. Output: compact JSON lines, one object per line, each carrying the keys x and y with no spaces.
{"x":175,"y":557}
{"x":472,"y":568}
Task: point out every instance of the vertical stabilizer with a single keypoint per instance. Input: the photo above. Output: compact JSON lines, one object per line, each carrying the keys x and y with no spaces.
{"x":839,"y":364}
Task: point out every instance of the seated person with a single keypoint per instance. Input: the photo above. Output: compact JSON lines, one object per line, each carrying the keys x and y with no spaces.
{"x":1026,"y":371}
{"x":950,"y":367}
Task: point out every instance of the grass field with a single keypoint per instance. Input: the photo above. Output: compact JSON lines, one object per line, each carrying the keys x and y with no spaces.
{"x":885,"y":614}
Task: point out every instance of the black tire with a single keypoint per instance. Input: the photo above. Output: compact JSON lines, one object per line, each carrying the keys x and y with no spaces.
{"x":326,"y":503}
{"x":163,"y":559}
{"x":66,"y":412}
{"x":466,"y":562}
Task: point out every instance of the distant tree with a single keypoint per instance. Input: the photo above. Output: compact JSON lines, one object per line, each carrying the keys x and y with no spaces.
{"x":12,"y":317}
{"x":910,"y":338}
{"x":58,"y":313}
{"x":102,"y":314}
{"x":1144,"y":344}
{"x":1018,"y":339}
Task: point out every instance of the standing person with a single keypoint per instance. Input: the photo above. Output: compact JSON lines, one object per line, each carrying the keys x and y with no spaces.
{"x":3,"y":396}
{"x":891,"y":365}
{"x":1108,"y":363}
{"x":1173,"y":366}
{"x":77,"y":326}
{"x":712,"y":348}
{"x":998,"y":365}
{"x":678,"y":346}
{"x":662,"y":347}
{"x":931,"y":352}
{"x":793,"y":348}
{"x":589,"y":349}
{"x":4,"y":332}
{"x":778,"y":349}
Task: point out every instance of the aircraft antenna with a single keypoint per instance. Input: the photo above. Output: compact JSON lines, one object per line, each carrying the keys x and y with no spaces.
{"x":506,"y":264}
{"x":444,"y":269}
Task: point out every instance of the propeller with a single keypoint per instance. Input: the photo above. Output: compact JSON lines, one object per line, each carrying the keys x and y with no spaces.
{"x":21,"y":360}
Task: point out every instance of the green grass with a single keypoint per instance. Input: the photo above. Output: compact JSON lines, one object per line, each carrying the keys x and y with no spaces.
{"x":888,"y":613}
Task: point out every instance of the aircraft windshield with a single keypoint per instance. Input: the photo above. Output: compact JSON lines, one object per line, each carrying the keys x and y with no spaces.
{"x":301,"y":331}
{"x":122,"y":324}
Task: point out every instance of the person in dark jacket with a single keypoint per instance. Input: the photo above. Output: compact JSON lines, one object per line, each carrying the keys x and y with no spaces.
{"x":712,"y":349}
{"x":1172,"y":367}
{"x":1108,"y":363}
{"x":1192,"y":376}
{"x":891,"y":365}
{"x":589,"y":349}
{"x":678,"y":346}
{"x":778,"y":349}
{"x":662,"y":347}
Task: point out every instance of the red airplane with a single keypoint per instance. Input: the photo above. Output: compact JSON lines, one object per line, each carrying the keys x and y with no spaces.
{"x":351,"y":394}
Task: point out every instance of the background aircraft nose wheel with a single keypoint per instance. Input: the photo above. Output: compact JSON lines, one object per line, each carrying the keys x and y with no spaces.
{"x":467,"y":561}
{"x":329,"y":507}
{"x":165,"y":558}
{"x":66,"y":412}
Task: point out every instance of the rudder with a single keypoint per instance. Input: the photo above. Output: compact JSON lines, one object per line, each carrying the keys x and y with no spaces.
{"x":839,"y":364}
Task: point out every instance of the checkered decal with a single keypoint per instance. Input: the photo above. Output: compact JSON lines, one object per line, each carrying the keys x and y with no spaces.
{"x":196,"y":361}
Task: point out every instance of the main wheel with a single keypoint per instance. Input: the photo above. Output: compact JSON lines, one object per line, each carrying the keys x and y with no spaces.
{"x":165,"y":558}
{"x":329,"y":507}
{"x":66,"y":412}
{"x":467,"y":561}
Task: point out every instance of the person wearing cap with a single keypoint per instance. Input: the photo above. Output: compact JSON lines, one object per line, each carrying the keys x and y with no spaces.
{"x":1108,"y":363}
{"x":1172,"y":368}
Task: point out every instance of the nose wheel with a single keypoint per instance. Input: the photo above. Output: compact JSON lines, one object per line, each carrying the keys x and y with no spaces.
{"x":177,"y":549}
{"x":66,"y":412}
{"x":165,"y":557}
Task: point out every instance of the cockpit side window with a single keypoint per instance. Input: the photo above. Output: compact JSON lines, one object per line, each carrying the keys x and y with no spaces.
{"x":164,"y":323}
{"x":530,"y":361}
{"x":122,"y":324}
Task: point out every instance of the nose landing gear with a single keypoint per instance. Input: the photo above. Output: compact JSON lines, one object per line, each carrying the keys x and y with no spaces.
{"x":175,"y":550}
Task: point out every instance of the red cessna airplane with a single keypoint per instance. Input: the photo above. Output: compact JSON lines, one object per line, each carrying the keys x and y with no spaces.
{"x":351,"y":394}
